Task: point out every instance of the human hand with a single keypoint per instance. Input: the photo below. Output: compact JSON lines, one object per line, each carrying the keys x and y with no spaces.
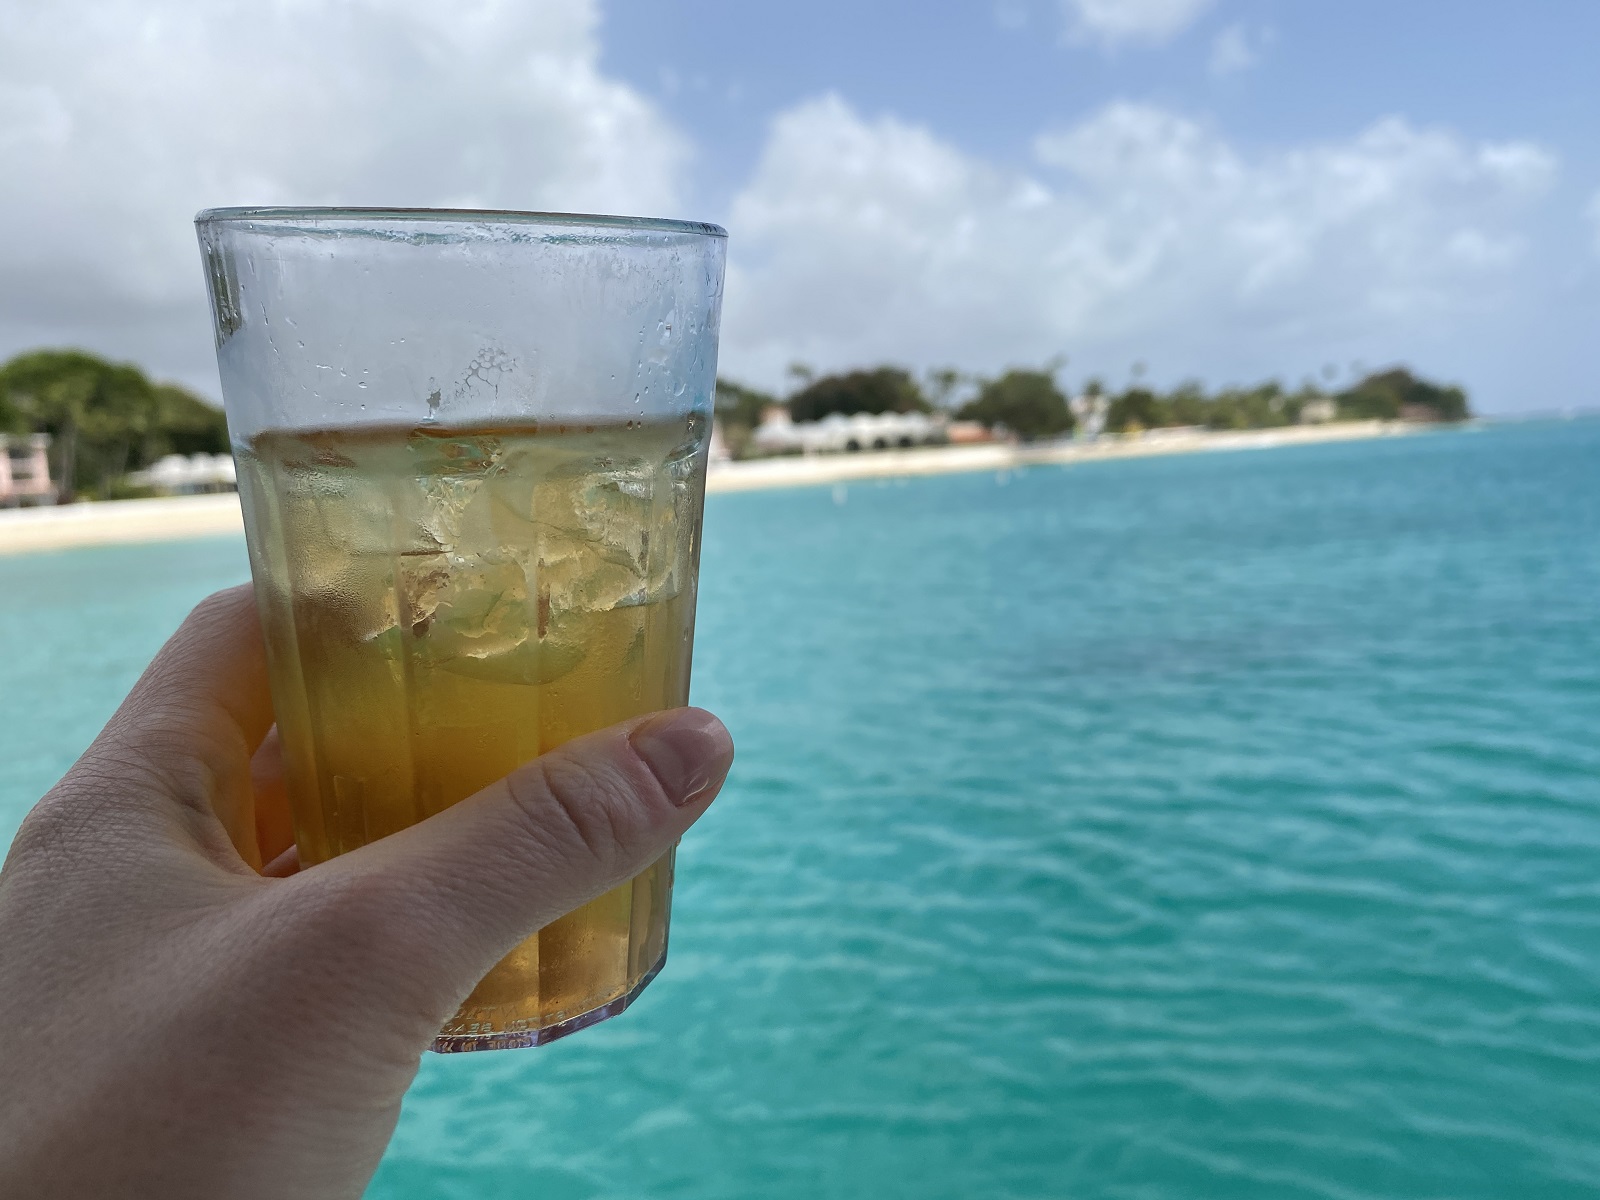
{"x":174,"y":1024}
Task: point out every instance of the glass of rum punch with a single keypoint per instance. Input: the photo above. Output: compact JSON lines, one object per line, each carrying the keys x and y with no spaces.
{"x":472,"y":452}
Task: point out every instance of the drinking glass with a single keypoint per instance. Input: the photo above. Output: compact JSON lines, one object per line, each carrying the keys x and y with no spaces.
{"x":472,"y":451}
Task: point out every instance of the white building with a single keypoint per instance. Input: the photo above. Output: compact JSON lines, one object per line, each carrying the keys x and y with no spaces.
{"x":177,"y":475}
{"x":25,"y":470}
{"x":1090,"y":412}
{"x":1318,"y":411}
{"x":719,"y":444}
{"x":840,"y":434}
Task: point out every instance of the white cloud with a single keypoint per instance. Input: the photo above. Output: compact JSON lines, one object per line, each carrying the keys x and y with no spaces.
{"x":1114,"y":21}
{"x":1139,"y":231}
{"x":1519,"y":167}
{"x":120,"y":118}
{"x":1236,"y":49}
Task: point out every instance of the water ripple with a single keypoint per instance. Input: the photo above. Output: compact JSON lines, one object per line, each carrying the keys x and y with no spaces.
{"x":1222,"y":825}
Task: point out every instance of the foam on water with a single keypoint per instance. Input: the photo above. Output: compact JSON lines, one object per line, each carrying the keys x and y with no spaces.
{"x":1217,"y":825}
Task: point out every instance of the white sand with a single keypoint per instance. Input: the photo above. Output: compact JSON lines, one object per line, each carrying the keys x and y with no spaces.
{"x":123,"y":521}
{"x":943,"y":460}
{"x":114,"y":521}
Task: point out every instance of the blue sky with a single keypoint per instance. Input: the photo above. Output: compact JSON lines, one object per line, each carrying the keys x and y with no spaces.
{"x":1223,"y":189}
{"x":1269,"y":75}
{"x":988,"y":75}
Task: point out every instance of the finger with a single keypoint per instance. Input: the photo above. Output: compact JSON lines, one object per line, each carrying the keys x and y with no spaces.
{"x":284,"y":865}
{"x":274,"y":822}
{"x":197,"y":714}
{"x":481,"y":876}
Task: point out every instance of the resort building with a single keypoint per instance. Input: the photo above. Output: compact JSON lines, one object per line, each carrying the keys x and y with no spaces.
{"x":1318,"y":411}
{"x":967,"y":433}
{"x":1090,"y":413}
{"x":837,"y":433}
{"x":719,"y":444}
{"x":25,"y":470}
{"x":178,"y":475}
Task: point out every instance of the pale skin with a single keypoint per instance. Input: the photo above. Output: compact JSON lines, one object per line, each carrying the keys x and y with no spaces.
{"x":178,"y":1021}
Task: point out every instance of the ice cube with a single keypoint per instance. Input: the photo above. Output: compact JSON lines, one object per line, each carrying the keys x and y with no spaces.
{"x":442,"y":480}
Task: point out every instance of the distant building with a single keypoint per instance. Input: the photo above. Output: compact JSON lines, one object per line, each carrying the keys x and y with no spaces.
{"x":1420,"y":413}
{"x":837,"y":433}
{"x":777,"y":433}
{"x":25,"y":470}
{"x":719,"y":452}
{"x":177,"y":475}
{"x":1090,"y":414}
{"x":1319,"y":411}
{"x":965,"y":433}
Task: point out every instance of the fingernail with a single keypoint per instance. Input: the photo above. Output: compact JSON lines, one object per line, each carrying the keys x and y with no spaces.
{"x":688,"y":751}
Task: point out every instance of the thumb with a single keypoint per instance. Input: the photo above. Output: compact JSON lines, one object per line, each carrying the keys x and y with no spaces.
{"x":484,"y":874}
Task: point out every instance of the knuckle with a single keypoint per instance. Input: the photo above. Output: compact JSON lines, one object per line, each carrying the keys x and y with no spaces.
{"x":156,"y":760}
{"x":44,"y":831}
{"x":588,"y":809}
{"x":224,"y":605}
{"x":210,"y":625}
{"x":71,"y":817}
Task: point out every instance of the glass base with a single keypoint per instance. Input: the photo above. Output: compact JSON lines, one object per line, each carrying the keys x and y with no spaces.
{"x":517,"y":1039}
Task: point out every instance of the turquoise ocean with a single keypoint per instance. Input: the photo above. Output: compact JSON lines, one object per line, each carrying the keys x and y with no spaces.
{"x":1215,"y":825}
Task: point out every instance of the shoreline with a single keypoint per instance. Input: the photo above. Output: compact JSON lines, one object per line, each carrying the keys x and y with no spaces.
{"x":811,"y":471}
{"x":176,"y":518}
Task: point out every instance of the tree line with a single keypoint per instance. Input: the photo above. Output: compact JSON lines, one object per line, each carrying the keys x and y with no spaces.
{"x":1030,"y":403}
{"x":105,"y":419}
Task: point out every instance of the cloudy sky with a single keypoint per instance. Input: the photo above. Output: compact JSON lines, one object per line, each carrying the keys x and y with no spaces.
{"x":1220,"y":189}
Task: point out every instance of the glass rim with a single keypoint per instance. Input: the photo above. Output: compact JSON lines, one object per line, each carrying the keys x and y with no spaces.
{"x":291,"y":217}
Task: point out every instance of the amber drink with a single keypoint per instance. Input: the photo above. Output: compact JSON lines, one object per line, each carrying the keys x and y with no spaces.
{"x":442,"y":605}
{"x":472,"y":494}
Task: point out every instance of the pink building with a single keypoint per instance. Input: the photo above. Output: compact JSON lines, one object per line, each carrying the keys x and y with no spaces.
{"x":25,"y":470}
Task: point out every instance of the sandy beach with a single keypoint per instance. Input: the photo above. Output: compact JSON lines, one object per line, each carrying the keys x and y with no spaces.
{"x":110,"y":522}
{"x":946,"y":460}
{"x":115,"y":522}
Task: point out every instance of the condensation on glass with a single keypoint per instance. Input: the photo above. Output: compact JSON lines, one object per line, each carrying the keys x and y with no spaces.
{"x":472,"y":452}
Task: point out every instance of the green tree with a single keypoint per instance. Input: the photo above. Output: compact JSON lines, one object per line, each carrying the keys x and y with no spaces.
{"x":1026,"y":402}
{"x":739,"y":410}
{"x":885,"y":389}
{"x":740,"y":405}
{"x":1135,"y":409}
{"x":1385,"y":394}
{"x":104,"y":418}
{"x":185,"y":424}
{"x":1187,"y":405}
{"x":1295,"y":402}
{"x":942,"y":385}
{"x":1262,"y":407}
